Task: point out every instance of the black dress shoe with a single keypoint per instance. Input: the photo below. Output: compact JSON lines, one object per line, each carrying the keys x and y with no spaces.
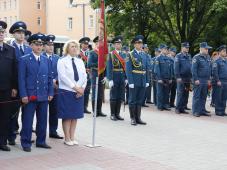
{"x":5,"y":148}
{"x":149,"y":102}
{"x":113,"y":118}
{"x":168,"y":109}
{"x":219,"y":114}
{"x":55,"y":136}
{"x":45,"y":146}
{"x":32,"y":141}
{"x":172,"y":105}
{"x":196,"y":114}
{"x":12,"y":142}
{"x":119,"y":117}
{"x":206,"y":111}
{"x":177,"y":111}
{"x":184,"y":112}
{"x":144,"y":105}
{"x":160,"y":109}
{"x":133,"y":122}
{"x":26,"y":149}
{"x":86,"y":111}
{"x":140,"y":122}
{"x":186,"y":108}
{"x":206,"y":114}
{"x":101,"y":115}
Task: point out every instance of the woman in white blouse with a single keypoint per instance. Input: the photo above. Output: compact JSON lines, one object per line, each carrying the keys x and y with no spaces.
{"x":72,"y":80}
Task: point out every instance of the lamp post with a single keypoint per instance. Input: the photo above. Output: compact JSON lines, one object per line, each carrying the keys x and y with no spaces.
{"x":83,"y":7}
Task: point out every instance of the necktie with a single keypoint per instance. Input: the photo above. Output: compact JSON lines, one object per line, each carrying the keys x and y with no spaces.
{"x":21,"y":50}
{"x":38,"y":60}
{"x":76,"y":76}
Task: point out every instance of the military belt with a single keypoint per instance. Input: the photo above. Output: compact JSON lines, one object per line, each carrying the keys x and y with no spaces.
{"x":117,"y":69}
{"x":138,"y":71}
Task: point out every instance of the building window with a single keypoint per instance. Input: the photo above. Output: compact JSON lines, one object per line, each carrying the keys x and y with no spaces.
{"x":38,"y":5}
{"x":39,"y":21}
{"x":4,"y":5}
{"x":10,"y":4}
{"x":15,"y":4}
{"x":91,"y":21}
{"x":70,"y":23}
{"x":5,"y":19}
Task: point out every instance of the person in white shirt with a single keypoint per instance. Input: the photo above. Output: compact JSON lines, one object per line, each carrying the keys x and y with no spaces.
{"x":72,"y":78}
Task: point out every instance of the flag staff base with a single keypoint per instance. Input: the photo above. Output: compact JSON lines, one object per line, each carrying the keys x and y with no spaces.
{"x":93,"y":145}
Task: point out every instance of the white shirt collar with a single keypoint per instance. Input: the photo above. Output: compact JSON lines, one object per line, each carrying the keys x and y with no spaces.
{"x":138,"y":51}
{"x":36,"y":56}
{"x":20,"y":45}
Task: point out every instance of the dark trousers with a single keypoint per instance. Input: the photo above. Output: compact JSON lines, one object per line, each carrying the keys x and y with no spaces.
{"x":154,"y":92}
{"x":182,"y":96}
{"x":221,"y":96}
{"x":14,"y":125}
{"x":5,"y":115}
{"x":28,"y":112}
{"x":162,"y":95}
{"x":199,"y":98}
{"x":136,"y":96}
{"x":173,"y":93}
{"x":53,"y":116}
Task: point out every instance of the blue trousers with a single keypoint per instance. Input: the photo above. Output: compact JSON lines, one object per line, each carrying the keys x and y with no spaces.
{"x":117,"y":92}
{"x":162,"y":95}
{"x":136,"y":96}
{"x":221,"y":96}
{"x":53,"y":116}
{"x":199,"y":98}
{"x":182,"y":95}
{"x":28,"y":112}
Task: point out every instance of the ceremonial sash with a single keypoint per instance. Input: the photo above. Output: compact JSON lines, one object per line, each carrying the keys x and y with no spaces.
{"x":122,"y":61}
{"x":85,"y":58}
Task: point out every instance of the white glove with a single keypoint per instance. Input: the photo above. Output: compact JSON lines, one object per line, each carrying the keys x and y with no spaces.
{"x":104,"y":80}
{"x":147,"y":84}
{"x":131,"y":86}
{"x":111,"y":84}
{"x":126,"y":82}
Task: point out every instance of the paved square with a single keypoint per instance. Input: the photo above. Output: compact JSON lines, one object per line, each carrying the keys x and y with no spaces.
{"x":168,"y":142}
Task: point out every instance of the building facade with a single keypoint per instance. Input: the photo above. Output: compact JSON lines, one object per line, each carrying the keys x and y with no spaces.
{"x":63,"y":18}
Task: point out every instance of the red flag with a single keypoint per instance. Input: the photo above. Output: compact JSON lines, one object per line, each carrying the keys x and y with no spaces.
{"x":103,"y":47}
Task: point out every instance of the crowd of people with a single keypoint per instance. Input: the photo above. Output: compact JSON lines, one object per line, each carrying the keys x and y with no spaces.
{"x":38,"y":82}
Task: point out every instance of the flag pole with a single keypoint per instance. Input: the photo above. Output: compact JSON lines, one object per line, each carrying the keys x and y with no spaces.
{"x":93,"y":145}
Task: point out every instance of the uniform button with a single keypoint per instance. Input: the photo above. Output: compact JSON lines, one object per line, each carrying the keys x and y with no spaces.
{"x":37,"y":81}
{"x":37,"y":87}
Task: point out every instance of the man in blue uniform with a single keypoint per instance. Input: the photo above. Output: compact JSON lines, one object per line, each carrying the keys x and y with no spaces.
{"x":153,"y":76}
{"x":93,"y":66}
{"x":136,"y":71}
{"x":201,"y":75}
{"x":18,"y":30}
{"x":147,"y":97}
{"x":36,"y":89}
{"x":84,"y":53}
{"x":117,"y":78}
{"x":172,"y":54}
{"x":8,"y":85}
{"x":53,"y":60}
{"x":182,"y":70}
{"x":164,"y":73}
{"x":220,"y":76}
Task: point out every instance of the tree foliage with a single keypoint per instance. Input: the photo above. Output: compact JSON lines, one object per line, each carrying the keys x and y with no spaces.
{"x":169,"y":21}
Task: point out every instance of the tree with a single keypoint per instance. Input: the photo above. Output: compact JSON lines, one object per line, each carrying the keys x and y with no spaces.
{"x":170,"y":21}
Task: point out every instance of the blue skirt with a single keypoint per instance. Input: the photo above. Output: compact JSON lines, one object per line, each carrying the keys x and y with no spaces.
{"x":69,"y":106}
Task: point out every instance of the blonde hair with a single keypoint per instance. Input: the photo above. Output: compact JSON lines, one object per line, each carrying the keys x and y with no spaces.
{"x":66,"y":46}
